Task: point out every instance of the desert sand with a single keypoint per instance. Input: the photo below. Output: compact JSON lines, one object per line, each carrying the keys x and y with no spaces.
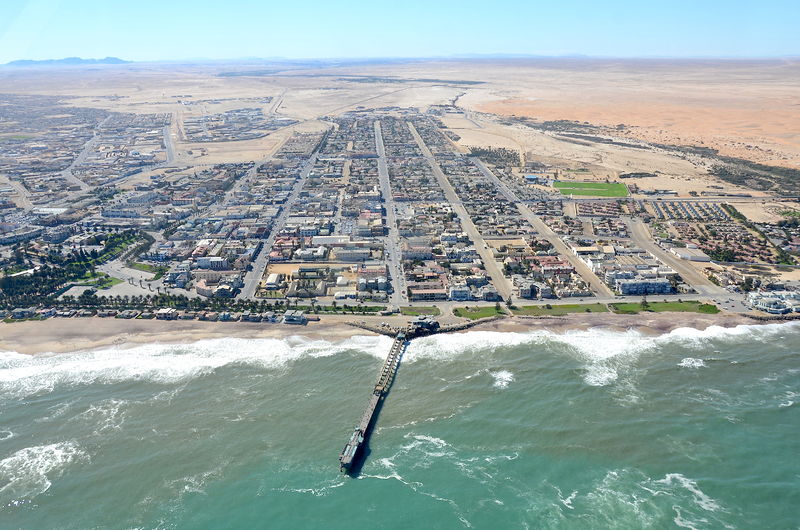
{"x":743,"y":108}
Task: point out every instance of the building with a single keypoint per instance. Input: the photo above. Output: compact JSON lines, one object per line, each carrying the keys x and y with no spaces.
{"x":640,"y":286}
{"x":212,"y":262}
{"x":294,"y":317}
{"x":167,"y":313}
{"x":23,"y":312}
{"x":460,"y":292}
{"x":691,"y":254}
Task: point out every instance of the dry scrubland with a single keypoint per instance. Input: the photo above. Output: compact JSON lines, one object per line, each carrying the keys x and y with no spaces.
{"x":746,"y":109}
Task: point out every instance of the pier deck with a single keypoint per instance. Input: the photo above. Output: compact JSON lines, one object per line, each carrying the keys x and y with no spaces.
{"x":355,"y":444}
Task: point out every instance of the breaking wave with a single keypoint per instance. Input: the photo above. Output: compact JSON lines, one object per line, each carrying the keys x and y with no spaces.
{"x":29,"y":472}
{"x":645,"y":502}
{"x":24,"y":375}
{"x":502,"y":378}
{"x":691,"y":362}
{"x":603,"y":352}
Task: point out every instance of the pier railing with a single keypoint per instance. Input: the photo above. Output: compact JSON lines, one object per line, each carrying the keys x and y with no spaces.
{"x":355,"y":445}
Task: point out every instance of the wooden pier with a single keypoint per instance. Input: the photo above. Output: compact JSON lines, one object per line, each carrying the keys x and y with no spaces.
{"x":353,"y":451}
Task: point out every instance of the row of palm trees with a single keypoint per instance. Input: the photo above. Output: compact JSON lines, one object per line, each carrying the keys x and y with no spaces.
{"x":90,"y":299}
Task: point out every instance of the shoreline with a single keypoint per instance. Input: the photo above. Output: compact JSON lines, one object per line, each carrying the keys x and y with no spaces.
{"x":71,"y":335}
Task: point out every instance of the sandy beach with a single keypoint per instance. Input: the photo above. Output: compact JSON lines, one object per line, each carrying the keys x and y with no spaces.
{"x":68,"y":335}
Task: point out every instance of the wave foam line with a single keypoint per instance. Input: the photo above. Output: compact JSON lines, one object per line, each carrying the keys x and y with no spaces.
{"x":602,"y":350}
{"x":23,"y":375}
{"x":28,"y":472}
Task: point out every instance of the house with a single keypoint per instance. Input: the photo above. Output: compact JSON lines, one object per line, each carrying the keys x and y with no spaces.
{"x":167,"y":313}
{"x":20,"y":312}
{"x":294,"y":317}
{"x":460,"y":292}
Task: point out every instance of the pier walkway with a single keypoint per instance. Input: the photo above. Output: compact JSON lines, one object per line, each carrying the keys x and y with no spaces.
{"x":355,"y":445}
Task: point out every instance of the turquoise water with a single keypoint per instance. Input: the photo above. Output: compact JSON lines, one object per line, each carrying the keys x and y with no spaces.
{"x":586,"y":429}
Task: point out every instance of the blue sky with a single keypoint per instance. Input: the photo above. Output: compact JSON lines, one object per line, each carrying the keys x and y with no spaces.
{"x":224,"y":29}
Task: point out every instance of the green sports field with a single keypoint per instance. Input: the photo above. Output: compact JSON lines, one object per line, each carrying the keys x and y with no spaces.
{"x":594,"y":189}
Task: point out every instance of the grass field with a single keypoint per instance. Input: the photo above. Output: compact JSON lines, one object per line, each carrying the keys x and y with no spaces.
{"x":474,"y":313}
{"x":594,"y":189}
{"x":157,"y":270}
{"x":417,"y":311}
{"x":658,"y":307}
{"x":558,"y":310}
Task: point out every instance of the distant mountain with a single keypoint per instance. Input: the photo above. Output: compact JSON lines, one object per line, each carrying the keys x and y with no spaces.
{"x":66,"y":62}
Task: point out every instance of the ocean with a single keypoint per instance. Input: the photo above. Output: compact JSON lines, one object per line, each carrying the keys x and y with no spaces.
{"x":581,"y":429}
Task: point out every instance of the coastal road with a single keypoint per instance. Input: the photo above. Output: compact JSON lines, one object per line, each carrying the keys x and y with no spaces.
{"x":392,"y":241}
{"x":253,"y":277}
{"x":641,"y":235}
{"x":499,"y":280}
{"x":536,"y":222}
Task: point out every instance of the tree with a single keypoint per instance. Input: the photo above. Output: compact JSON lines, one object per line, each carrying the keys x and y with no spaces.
{"x":644,"y":303}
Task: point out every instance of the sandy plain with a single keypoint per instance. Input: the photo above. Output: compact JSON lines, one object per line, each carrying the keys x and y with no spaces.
{"x":748,"y":109}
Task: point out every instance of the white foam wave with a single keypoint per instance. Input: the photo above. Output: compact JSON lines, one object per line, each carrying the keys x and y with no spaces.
{"x":788,"y":399}
{"x":320,"y":491}
{"x":701,"y":499}
{"x":598,"y":343}
{"x":427,"y":446}
{"x":502,"y":378}
{"x":691,"y":362}
{"x":448,"y":346}
{"x":29,"y":472}
{"x":196,"y":483}
{"x":22,"y":375}
{"x":630,"y":495}
{"x":6,"y":435}
{"x":603,"y":351}
{"x":108,"y":415}
{"x":422,"y":447}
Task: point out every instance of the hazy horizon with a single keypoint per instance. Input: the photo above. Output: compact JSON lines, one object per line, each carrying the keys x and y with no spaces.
{"x":245,"y":30}
{"x":337,"y":61}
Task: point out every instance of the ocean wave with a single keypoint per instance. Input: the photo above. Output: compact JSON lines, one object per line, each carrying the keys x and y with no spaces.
{"x":29,"y":472}
{"x":106,"y":416}
{"x":424,"y":449}
{"x":635,"y":499}
{"x":502,"y":378}
{"x":787,"y":399}
{"x":700,"y":499}
{"x":602,"y":351}
{"x":196,"y":484}
{"x":319,"y":491}
{"x":23,"y":375}
{"x":691,"y":362}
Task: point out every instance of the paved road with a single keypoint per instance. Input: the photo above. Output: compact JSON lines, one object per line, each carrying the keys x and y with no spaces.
{"x":499,"y":280}
{"x":392,"y":241}
{"x":80,"y":159}
{"x":641,"y":235}
{"x":169,"y":145}
{"x":253,"y":277}
{"x":24,"y":201}
{"x":544,"y":231}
